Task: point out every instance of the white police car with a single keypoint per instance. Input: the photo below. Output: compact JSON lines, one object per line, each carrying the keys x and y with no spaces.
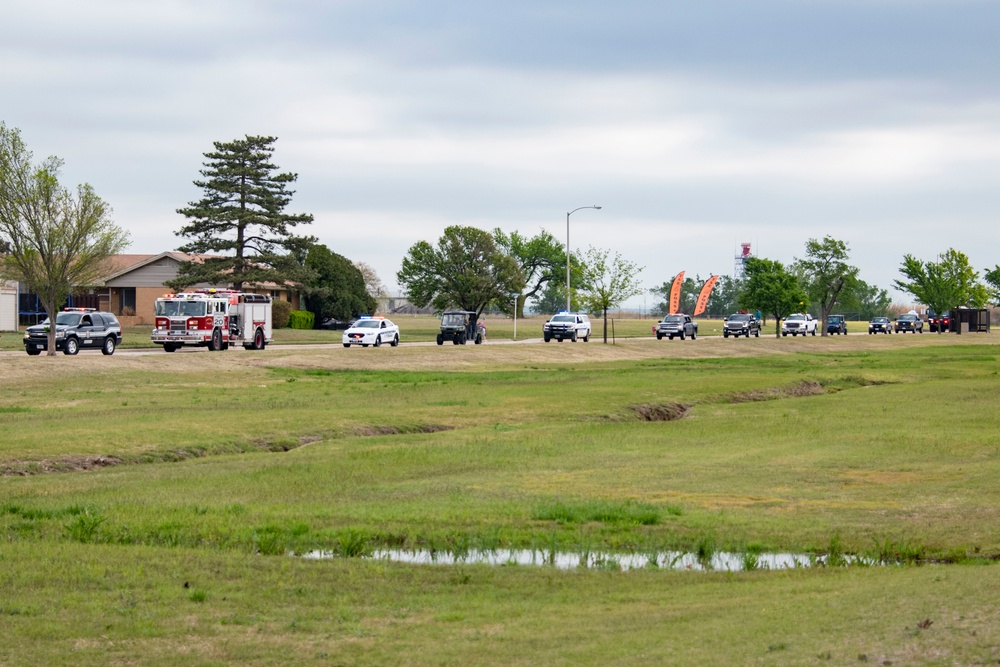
{"x":569,"y":326}
{"x":371,"y":331}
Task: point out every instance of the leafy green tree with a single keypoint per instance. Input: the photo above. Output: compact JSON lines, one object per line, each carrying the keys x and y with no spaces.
{"x":945,"y":284}
{"x":866,"y":300}
{"x":992,"y":277}
{"x":336,"y":287}
{"x":552,"y":298}
{"x":607,"y":282}
{"x":772,"y":289}
{"x":825,"y":273}
{"x":55,"y":239}
{"x":466,"y":270}
{"x":241,"y":216}
{"x":542,"y":260}
{"x":956,"y":268}
{"x":725,"y":298}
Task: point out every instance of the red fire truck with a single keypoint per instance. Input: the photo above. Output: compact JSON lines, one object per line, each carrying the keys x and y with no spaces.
{"x":213,"y":319}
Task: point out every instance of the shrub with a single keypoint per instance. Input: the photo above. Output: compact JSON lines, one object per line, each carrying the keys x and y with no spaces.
{"x":280,"y":311}
{"x":301,"y":319}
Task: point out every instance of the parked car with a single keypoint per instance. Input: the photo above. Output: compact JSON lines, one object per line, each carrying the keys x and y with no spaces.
{"x":836,"y":324}
{"x":677,"y":325}
{"x":741,"y":324}
{"x":567,"y":326}
{"x":371,"y":331}
{"x":799,"y":323}
{"x":880,"y":325}
{"x":76,"y":329}
{"x":909,"y":322}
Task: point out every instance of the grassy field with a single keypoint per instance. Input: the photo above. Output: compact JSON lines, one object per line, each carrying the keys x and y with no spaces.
{"x":149,"y":502}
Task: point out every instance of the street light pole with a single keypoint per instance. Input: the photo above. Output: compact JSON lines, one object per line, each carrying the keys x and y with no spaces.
{"x":568,"y":291}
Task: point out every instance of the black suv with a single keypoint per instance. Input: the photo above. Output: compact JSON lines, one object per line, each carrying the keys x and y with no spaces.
{"x":741,"y":324}
{"x":76,"y":328}
{"x":836,"y":324}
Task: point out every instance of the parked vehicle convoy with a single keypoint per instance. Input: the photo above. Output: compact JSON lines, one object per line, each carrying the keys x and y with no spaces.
{"x":461,"y":326}
{"x":909,"y":322}
{"x":371,"y":331}
{"x":937,"y":322}
{"x":836,"y":324}
{"x":741,"y":324}
{"x":677,"y":325}
{"x":880,"y":325}
{"x":213,"y":319}
{"x":799,"y":323}
{"x":76,"y":329}
{"x":567,"y":326}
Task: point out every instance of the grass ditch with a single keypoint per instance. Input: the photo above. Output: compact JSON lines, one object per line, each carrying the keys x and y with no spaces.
{"x":67,"y":464}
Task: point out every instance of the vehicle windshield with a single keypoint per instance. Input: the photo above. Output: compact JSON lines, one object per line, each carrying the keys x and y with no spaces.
{"x":66,"y":319}
{"x":880,"y":320}
{"x":673,"y":319}
{"x":563,"y":318}
{"x":180,"y":308}
{"x":739,"y":317}
{"x":907,"y":318}
{"x":453,"y":320}
{"x":796,"y":316}
{"x":366,"y":324}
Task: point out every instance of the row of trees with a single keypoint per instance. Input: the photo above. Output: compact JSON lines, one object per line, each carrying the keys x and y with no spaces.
{"x":825,"y":278}
{"x":471,"y":269}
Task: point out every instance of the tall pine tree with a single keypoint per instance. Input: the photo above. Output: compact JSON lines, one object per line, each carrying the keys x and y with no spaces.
{"x":241,"y":219}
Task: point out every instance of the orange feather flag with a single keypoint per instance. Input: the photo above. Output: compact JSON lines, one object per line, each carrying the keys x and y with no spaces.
{"x":675,"y":293}
{"x":706,"y":291}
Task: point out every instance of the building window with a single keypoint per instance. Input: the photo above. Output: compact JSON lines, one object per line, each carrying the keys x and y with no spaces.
{"x":128,"y":298}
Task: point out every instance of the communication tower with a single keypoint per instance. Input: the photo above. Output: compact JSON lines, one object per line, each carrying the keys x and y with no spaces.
{"x":742,"y":253}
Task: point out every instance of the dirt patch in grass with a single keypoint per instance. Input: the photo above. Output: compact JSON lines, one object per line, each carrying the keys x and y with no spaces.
{"x":799,"y":389}
{"x":376,"y":430}
{"x":661,"y":412}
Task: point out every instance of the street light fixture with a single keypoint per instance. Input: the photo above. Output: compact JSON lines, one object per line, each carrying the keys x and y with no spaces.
{"x":568,"y":291}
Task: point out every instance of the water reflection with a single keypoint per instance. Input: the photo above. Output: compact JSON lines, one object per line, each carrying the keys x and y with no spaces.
{"x":672,"y":560}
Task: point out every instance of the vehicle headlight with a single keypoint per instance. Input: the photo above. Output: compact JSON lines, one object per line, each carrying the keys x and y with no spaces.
{"x":60,"y":334}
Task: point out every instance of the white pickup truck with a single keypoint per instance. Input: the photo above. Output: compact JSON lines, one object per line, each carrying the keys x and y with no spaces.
{"x":799,"y":323}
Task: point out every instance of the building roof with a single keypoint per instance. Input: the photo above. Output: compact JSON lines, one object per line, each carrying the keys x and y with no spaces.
{"x":119,"y":265}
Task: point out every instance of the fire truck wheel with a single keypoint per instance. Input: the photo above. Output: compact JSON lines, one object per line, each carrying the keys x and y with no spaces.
{"x":258,"y":340}
{"x":72,"y":346}
{"x":395,"y":341}
{"x":215,"y":344}
{"x":225,"y":345}
{"x":109,"y":346}
{"x":167,"y":347}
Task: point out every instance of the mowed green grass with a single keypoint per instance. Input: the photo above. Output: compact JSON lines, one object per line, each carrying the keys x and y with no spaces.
{"x":875,"y":448}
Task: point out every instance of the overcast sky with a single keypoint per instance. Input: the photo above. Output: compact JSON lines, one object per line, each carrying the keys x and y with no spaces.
{"x":695,"y":125}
